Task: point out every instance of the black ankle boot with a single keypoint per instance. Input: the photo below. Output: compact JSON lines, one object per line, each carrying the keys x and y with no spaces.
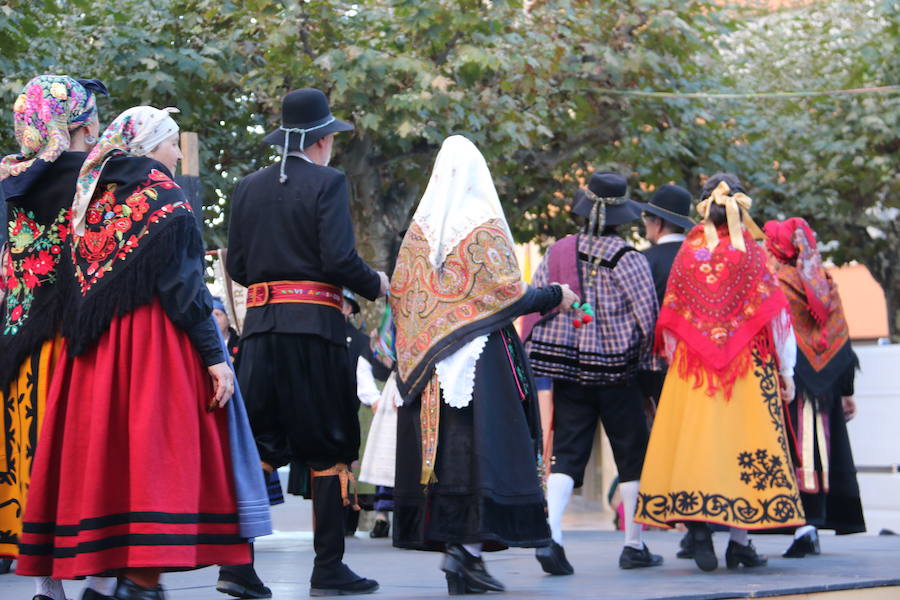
{"x":704,"y":552}
{"x":808,"y":543}
{"x":129,"y":590}
{"x":553,"y":560}
{"x":686,"y":546}
{"x":241,"y":581}
{"x":743,"y":555}
{"x":91,"y":594}
{"x":381,"y":529}
{"x":466,"y":574}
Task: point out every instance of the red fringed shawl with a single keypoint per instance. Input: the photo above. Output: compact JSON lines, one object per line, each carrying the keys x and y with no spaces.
{"x":716,"y":304}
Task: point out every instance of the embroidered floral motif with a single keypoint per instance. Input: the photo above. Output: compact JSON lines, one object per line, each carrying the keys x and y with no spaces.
{"x":763,"y":470}
{"x":43,"y":115}
{"x":31,"y":262}
{"x":115,"y":230}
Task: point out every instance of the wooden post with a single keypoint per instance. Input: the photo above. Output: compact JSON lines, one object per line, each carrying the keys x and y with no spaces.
{"x":189,"y":180}
{"x":190,"y":149}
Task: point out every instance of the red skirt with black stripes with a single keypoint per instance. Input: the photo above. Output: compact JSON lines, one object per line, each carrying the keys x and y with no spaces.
{"x":131,"y":470}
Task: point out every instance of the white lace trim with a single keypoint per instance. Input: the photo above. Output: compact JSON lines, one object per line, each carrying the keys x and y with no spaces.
{"x":456,"y":373}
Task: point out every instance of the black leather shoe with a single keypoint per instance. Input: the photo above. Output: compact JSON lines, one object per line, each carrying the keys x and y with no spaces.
{"x":467,"y":573}
{"x":241,"y":581}
{"x":808,"y":543}
{"x":553,"y":560}
{"x":743,"y":555}
{"x":92,"y":594}
{"x":381,"y":529}
{"x":686,"y":546}
{"x":342,"y":581}
{"x":638,"y":559}
{"x":704,"y":553}
{"x":129,"y":590}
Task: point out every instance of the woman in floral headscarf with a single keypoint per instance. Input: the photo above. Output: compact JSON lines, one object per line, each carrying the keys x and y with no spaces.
{"x":468,"y":434}
{"x":56,"y":123}
{"x":826,"y":367}
{"x":718,"y":452}
{"x":139,"y":396}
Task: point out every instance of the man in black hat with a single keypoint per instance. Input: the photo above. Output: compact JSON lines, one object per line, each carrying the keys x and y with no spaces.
{"x":665,"y":221}
{"x":593,"y":356}
{"x":291,"y":243}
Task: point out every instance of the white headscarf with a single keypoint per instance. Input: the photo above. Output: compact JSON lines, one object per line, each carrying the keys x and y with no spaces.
{"x":137,"y":131}
{"x":460,"y":196}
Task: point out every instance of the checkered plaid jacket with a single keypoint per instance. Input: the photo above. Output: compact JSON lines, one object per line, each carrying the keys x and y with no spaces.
{"x":619,"y":340}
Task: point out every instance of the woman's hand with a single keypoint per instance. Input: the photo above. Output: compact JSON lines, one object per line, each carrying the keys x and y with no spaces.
{"x":568,"y":296}
{"x":223,"y":385}
{"x":787,"y":388}
{"x":849,"y":406}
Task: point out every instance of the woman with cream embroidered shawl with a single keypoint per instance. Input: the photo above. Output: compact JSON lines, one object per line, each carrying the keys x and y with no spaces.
{"x":718,"y":452}
{"x":133,"y":473}
{"x":468,"y":433}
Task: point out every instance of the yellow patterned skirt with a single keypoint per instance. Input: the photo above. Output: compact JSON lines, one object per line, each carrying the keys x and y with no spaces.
{"x":23,"y":407}
{"x":720,"y":460}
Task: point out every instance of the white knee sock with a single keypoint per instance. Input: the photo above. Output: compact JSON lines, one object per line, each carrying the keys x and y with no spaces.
{"x":559,"y":490}
{"x":473,"y":549}
{"x":739,"y":536}
{"x":52,"y":588}
{"x":105,"y":586}
{"x":803,"y":530}
{"x":629,"y":492}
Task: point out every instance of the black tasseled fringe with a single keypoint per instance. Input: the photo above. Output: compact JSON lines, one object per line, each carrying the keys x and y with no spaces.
{"x":129,"y":286}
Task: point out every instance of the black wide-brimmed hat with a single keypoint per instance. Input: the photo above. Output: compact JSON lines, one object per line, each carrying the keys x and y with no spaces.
{"x":306,"y":118}
{"x":671,"y":203}
{"x":612,"y":186}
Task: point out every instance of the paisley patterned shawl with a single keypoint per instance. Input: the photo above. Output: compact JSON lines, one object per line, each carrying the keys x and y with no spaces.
{"x":819,"y":323}
{"x":437,"y":310}
{"x":716,"y":303}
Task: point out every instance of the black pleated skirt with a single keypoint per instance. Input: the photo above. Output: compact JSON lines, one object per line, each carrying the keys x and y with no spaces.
{"x":488,"y":489}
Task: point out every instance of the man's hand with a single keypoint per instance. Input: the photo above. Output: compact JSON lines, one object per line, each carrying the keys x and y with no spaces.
{"x":787,"y":388}
{"x":568,"y":296}
{"x":223,"y":385}
{"x":385,"y":283}
{"x":849,"y":406}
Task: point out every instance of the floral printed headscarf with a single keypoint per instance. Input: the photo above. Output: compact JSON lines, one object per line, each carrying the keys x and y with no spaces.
{"x":792,"y":242}
{"x":137,"y":131}
{"x":45,"y":113}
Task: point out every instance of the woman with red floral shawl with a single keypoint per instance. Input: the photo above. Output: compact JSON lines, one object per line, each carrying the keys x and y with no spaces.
{"x":718,"y":452}
{"x":133,"y":474}
{"x":826,"y":367}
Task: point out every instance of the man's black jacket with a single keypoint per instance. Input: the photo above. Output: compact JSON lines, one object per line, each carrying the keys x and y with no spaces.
{"x":299,"y":230}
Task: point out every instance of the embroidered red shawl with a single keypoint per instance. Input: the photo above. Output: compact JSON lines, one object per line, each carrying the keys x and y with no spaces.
{"x":818,"y":316}
{"x":715,"y":304}
{"x":438,"y":310}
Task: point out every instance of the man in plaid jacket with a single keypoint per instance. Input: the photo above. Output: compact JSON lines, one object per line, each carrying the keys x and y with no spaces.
{"x":593,"y":363}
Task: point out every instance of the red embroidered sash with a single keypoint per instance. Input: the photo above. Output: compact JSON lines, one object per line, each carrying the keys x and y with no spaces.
{"x":289,"y":292}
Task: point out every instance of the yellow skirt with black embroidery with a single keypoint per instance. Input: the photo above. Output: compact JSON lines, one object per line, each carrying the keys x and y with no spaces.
{"x":23,"y":407}
{"x":720,"y":460}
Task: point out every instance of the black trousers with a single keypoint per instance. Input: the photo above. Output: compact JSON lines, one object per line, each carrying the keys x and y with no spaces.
{"x":300,"y":392}
{"x":576,"y":410}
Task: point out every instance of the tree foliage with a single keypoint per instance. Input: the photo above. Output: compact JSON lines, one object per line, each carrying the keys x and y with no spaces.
{"x":527,"y":82}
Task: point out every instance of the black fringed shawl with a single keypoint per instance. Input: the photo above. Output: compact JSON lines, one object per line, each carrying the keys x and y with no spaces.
{"x":38,"y":267}
{"x":137,"y":224}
